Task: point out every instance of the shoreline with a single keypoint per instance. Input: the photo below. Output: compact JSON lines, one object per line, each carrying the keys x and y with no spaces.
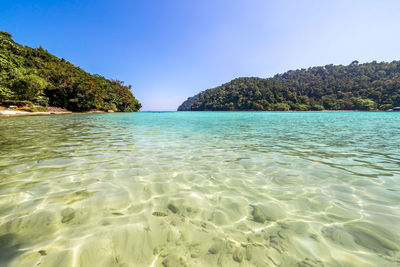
{"x":17,"y":113}
{"x":325,"y":110}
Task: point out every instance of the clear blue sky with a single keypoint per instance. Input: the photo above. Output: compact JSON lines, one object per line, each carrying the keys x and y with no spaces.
{"x":169,"y":50}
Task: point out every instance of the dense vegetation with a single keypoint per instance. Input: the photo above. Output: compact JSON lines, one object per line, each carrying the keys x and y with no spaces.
{"x":369,"y":86}
{"x":187,"y":105}
{"x":35,"y":76}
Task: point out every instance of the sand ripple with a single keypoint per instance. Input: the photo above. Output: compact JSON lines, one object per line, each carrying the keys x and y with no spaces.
{"x":200,"y":189}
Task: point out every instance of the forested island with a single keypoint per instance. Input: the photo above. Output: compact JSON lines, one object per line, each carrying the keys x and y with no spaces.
{"x":37,"y":79}
{"x":369,"y":86}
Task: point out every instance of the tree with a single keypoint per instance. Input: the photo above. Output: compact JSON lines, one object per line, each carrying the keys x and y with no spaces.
{"x":5,"y":94}
{"x":365,"y":86}
{"x":42,"y":78}
{"x":28,"y":87}
{"x":5,"y":35}
{"x":354,"y":63}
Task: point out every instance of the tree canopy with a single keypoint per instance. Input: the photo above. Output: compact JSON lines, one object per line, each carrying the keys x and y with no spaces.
{"x":35,"y":75}
{"x":369,"y":86}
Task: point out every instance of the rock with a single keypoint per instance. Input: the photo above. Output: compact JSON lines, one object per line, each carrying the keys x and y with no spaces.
{"x":195,"y":253}
{"x":238,"y":255}
{"x":258,"y":215}
{"x":270,"y":212}
{"x":67,"y":214}
{"x":42,"y":252}
{"x":174,"y":261}
{"x":159,"y":214}
{"x":214,"y":249}
{"x":173,"y":208}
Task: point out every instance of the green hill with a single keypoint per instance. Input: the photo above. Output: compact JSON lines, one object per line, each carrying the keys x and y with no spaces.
{"x":37,"y":77}
{"x":369,"y":86}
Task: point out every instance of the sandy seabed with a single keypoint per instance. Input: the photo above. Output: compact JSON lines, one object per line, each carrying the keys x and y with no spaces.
{"x":200,"y":189}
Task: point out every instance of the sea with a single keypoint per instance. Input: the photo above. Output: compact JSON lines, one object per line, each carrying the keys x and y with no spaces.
{"x":200,"y":189}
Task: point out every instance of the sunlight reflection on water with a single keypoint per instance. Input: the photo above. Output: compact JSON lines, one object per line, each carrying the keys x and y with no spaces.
{"x":201,"y":189}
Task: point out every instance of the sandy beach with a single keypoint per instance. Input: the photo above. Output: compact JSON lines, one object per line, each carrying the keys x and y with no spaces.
{"x":9,"y":113}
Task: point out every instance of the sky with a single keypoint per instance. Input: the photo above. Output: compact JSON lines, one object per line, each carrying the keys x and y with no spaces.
{"x":171,"y":50}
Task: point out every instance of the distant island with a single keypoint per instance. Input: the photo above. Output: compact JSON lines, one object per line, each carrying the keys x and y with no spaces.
{"x":35,"y":79}
{"x":369,"y":86}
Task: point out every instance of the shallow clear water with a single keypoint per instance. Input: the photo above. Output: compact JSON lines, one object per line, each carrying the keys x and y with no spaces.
{"x":201,"y":188}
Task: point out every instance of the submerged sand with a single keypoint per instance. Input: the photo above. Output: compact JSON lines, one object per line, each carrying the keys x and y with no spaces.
{"x":200,"y":189}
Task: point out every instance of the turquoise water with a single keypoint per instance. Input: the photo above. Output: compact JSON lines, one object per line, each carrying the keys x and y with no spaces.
{"x":201,"y":189}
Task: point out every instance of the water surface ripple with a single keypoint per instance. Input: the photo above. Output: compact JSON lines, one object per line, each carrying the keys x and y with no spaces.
{"x":201,"y":189}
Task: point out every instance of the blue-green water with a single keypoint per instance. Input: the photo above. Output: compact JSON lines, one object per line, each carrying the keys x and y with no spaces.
{"x":201,"y":189}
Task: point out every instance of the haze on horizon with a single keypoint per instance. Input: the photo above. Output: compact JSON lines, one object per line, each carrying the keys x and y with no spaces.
{"x":169,"y":51}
